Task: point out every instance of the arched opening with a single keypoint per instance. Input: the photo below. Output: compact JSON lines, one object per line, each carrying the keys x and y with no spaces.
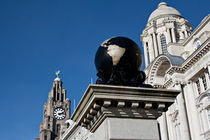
{"x":162,"y":69}
{"x":157,"y":75}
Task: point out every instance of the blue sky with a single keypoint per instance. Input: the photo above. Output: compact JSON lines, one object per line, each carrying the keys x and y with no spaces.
{"x":38,"y":37}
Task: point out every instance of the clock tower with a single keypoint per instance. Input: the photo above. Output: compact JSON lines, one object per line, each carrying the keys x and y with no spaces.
{"x":56,"y":112}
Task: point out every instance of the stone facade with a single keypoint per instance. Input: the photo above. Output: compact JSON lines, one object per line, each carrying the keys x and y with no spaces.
{"x":54,"y":120}
{"x":180,"y":59}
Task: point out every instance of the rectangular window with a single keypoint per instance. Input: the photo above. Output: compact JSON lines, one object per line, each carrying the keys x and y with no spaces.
{"x":204,"y":82}
{"x":62,"y":97}
{"x":58,"y":128}
{"x":58,"y":96}
{"x":198,"y":86}
{"x":171,"y":35}
{"x":45,"y":137}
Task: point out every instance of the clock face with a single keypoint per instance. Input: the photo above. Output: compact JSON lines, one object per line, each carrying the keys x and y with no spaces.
{"x":59,"y":113}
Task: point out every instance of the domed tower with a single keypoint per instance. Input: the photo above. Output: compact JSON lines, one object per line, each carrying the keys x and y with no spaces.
{"x":165,"y":27}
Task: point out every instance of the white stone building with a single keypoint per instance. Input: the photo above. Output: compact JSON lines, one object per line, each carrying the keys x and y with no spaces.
{"x":177,"y":57}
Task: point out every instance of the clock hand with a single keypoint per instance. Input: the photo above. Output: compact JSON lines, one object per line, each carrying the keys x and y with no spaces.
{"x":61,"y":113}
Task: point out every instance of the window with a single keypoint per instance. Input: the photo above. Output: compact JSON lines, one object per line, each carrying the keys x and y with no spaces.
{"x":171,"y":35}
{"x":183,"y":34}
{"x":62,"y":97}
{"x":45,"y":137}
{"x":54,"y":91}
{"x":197,"y":44}
{"x":68,"y":125}
{"x":198,"y":86}
{"x":177,"y":36}
{"x":147,"y":47}
{"x":163,"y":43}
{"x":58,"y":96}
{"x":58,"y":128}
{"x":204,"y":82}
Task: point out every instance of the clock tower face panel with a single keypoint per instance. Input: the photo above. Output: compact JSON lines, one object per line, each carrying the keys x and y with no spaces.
{"x":59,"y":113}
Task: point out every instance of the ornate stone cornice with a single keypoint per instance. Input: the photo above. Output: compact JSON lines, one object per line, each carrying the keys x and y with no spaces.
{"x":102,"y":101}
{"x":166,"y":16}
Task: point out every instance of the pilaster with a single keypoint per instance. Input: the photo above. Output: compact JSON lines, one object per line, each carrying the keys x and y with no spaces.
{"x":145,"y":54}
{"x":173,"y":35}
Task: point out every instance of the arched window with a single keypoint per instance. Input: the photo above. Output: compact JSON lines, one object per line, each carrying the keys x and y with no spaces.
{"x":163,"y":43}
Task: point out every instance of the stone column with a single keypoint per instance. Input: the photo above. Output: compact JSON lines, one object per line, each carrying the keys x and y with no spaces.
{"x":159,"y":44}
{"x":173,"y":35}
{"x":155,"y":44}
{"x":168,"y":36}
{"x":151,"y":49}
{"x":145,"y":54}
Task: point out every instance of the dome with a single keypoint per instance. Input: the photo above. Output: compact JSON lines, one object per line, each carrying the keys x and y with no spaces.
{"x":57,"y":79}
{"x":163,"y":9}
